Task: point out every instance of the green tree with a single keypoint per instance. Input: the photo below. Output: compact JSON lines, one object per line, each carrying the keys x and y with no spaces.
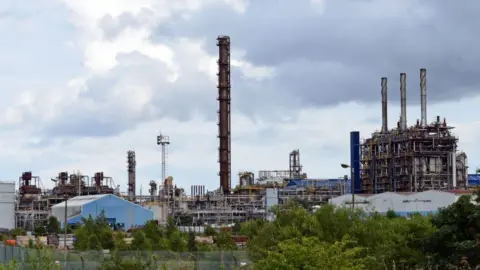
{"x":140,"y":241}
{"x":156,"y":235}
{"x":94,"y":234}
{"x":383,"y":240}
{"x":308,"y":253}
{"x":40,"y":231}
{"x":17,"y":231}
{"x":209,"y":231}
{"x":53,"y":225}
{"x":177,"y":242}
{"x":120,"y":244}
{"x":191,"y":242}
{"x":224,"y":241}
{"x":236,"y":228}
{"x":458,"y":233}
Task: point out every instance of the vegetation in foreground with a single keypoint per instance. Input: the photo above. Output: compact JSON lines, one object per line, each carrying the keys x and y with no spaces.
{"x":329,"y":238}
{"x":336,"y":238}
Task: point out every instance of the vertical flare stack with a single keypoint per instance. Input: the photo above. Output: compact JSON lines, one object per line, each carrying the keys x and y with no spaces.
{"x":403,"y":101}
{"x":224,"y":127}
{"x":384,"y":106}
{"x":423,"y":96}
{"x":132,"y":163}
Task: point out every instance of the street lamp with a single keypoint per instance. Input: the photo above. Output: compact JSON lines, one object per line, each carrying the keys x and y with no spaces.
{"x":352,"y":184}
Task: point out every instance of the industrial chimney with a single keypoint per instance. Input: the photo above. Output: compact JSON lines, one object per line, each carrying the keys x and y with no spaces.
{"x":403,"y":101}
{"x":423,"y":96}
{"x":384,"y":106}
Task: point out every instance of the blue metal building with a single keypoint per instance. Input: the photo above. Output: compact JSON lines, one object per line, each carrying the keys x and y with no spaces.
{"x":320,"y":183}
{"x":117,"y":210}
{"x":474,"y":180}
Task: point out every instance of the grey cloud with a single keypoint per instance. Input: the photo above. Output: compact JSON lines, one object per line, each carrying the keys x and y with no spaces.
{"x":362,"y":44}
{"x":320,"y":60}
{"x":105,"y":108}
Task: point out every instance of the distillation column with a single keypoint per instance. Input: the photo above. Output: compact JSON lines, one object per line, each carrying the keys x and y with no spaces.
{"x":132,"y":163}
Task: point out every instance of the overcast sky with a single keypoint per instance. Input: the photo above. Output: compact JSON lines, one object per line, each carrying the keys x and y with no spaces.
{"x":84,"y":81}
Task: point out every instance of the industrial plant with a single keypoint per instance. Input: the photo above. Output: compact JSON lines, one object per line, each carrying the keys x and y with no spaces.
{"x":411,"y":158}
{"x":417,"y":159}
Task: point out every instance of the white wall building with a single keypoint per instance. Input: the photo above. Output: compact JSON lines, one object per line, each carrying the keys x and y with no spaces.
{"x":426,"y":202}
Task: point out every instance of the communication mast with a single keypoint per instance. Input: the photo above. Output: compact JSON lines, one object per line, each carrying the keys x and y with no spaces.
{"x":164,"y":141}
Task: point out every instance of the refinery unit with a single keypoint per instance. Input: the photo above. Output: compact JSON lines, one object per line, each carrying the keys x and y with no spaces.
{"x":33,"y":205}
{"x":411,"y":159}
{"x":403,"y":159}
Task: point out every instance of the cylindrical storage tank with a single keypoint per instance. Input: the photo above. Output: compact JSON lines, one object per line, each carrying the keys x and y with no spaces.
{"x":159,"y":213}
{"x":7,"y":205}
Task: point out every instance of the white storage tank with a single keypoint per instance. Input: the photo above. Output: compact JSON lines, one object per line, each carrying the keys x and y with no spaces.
{"x":160,"y":213}
{"x":7,"y":205}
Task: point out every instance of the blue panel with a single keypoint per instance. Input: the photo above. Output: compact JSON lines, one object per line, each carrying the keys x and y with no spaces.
{"x":355,"y":159}
{"x":474,"y":179}
{"x":406,"y":214}
{"x":319,"y":183}
{"x":132,"y":215}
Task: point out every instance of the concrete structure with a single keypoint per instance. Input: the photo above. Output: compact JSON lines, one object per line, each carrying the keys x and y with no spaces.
{"x":7,"y":205}
{"x":117,"y":210}
{"x":271,"y":200}
{"x":427,"y":202}
{"x":159,"y":212}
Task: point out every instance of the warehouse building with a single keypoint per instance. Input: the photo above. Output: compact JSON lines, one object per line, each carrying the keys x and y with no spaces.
{"x":117,"y":210}
{"x":7,"y":205}
{"x":402,"y":203}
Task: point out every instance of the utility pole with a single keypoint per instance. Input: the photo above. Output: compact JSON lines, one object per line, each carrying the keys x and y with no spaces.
{"x":352,"y":183}
{"x":164,"y":141}
{"x":65,"y":232}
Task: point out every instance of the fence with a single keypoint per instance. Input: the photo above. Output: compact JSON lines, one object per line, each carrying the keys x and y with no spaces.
{"x":155,"y":260}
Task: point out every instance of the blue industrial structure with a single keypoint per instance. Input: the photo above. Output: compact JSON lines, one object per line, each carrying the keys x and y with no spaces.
{"x":320,"y":183}
{"x":116,"y":209}
{"x":474,"y":180}
{"x":355,"y":159}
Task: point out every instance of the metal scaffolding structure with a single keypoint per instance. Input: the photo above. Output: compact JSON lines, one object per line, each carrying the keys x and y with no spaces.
{"x":417,"y":158}
{"x":131,"y":168}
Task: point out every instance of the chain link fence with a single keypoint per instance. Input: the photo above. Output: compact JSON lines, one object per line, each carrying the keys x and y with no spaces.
{"x":156,"y":260}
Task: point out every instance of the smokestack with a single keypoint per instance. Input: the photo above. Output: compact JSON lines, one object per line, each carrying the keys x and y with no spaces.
{"x":224,"y":122}
{"x":423,"y":96}
{"x":384,"y":106}
{"x":403,"y":101}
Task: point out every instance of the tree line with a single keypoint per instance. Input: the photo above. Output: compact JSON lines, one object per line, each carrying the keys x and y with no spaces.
{"x":337,"y":238}
{"x":301,"y":238}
